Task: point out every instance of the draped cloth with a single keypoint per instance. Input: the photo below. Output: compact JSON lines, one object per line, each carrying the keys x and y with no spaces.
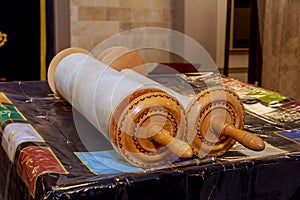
{"x":279,"y":22}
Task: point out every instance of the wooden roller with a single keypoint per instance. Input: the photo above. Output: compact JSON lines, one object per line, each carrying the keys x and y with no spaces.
{"x":215,"y":122}
{"x":215,"y":117}
{"x":120,"y":58}
{"x":144,"y":123}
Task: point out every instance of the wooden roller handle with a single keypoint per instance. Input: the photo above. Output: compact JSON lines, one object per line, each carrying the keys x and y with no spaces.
{"x":247,"y":139}
{"x":163,"y":137}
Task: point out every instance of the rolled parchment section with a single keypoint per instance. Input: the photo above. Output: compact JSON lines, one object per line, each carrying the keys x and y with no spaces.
{"x":144,"y":123}
{"x":215,"y":117}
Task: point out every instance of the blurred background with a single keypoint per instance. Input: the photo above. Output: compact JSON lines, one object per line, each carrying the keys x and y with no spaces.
{"x":254,"y":41}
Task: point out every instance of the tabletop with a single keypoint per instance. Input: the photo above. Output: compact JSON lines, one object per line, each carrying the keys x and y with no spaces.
{"x":50,"y":151}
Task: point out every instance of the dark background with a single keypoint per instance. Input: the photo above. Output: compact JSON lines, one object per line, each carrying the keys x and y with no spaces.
{"x":20,"y":55}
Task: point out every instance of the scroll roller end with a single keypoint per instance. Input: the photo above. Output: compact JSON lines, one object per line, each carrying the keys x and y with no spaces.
{"x":177,"y":146}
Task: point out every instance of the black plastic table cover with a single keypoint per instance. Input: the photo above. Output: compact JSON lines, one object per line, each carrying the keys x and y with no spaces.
{"x":44,"y":155}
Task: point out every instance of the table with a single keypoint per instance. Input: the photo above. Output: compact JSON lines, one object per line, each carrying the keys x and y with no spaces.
{"x":49,"y":151}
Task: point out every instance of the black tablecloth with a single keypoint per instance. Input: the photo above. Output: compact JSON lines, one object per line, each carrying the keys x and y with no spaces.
{"x":51,"y":160}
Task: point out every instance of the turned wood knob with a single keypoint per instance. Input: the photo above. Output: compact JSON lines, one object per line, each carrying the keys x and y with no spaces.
{"x":247,"y":139}
{"x":163,"y":136}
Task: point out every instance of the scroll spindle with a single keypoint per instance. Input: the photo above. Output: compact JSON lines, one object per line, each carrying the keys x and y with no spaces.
{"x":178,"y":147}
{"x":247,"y":139}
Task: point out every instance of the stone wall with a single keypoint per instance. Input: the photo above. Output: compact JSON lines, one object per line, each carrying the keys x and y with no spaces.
{"x":93,"y":21}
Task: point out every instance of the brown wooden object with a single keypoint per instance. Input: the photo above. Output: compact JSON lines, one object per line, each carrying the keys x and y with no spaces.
{"x":145,"y":125}
{"x":120,"y":58}
{"x":215,"y":119}
{"x":148,"y":127}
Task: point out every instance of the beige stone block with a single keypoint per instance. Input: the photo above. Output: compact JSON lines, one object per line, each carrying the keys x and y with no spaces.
{"x":167,"y":15}
{"x":79,"y":28}
{"x":74,"y":41}
{"x":81,"y":2}
{"x":86,"y":42}
{"x":130,"y":25}
{"x":124,"y":26}
{"x":97,"y":43}
{"x":145,"y":3}
{"x":106,"y":3}
{"x":90,"y":28}
{"x":150,"y":15}
{"x":155,"y":55}
{"x":105,"y":28}
{"x":73,"y":13}
{"x":74,"y":2}
{"x":140,"y":15}
{"x":91,"y":13}
{"x":121,"y":14}
{"x":97,"y":3}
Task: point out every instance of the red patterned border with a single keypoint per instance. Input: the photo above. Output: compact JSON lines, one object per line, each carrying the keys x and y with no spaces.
{"x":34,"y":161}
